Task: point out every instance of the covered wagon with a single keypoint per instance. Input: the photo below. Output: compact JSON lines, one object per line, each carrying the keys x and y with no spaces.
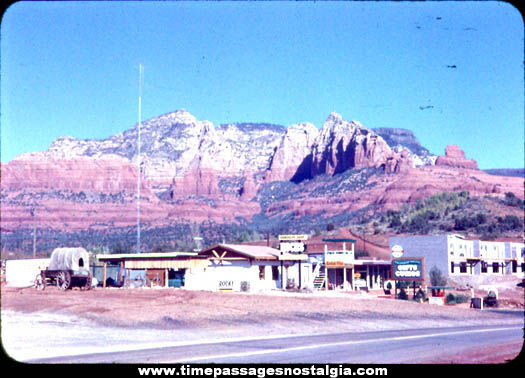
{"x":68,"y":268}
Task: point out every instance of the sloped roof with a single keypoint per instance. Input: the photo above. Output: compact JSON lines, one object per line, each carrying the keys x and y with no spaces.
{"x":254,"y":252}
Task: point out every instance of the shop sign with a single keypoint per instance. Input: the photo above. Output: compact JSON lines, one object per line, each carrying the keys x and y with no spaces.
{"x":297,"y":247}
{"x":408,"y":269}
{"x":293,"y":237}
{"x":397,"y":251}
{"x":226,"y":285}
{"x":334,"y":264}
{"x":293,"y":256}
{"x":339,"y":257}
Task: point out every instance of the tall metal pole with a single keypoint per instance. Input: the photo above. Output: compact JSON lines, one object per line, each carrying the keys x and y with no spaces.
{"x":138,"y":158}
{"x":34,"y":231}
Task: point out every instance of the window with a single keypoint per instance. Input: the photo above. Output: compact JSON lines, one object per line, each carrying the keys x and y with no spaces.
{"x":452,"y":267}
{"x":483,"y":267}
{"x":261,"y":272}
{"x":514,"y":266}
{"x":495,"y":267}
{"x":463,"y":267}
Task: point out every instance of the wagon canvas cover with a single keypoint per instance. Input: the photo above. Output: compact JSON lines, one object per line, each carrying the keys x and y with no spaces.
{"x":69,"y":259}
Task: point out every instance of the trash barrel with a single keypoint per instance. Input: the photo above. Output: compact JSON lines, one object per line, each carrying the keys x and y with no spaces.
{"x":475,"y":303}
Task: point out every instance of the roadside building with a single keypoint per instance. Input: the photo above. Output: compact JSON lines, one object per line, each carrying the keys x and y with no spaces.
{"x":22,"y":273}
{"x":224,"y":267}
{"x":166,"y":269}
{"x":456,"y":256}
{"x":237,"y":267}
{"x":515,"y":253}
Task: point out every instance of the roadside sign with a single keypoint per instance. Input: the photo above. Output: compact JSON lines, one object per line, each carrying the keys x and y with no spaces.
{"x":293,"y":237}
{"x":334,"y":264}
{"x":408,"y":269}
{"x":397,"y":251}
{"x":297,"y":247}
{"x":293,"y":256}
{"x":225,"y":285}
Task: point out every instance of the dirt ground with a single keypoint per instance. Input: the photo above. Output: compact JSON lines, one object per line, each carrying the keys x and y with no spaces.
{"x":500,"y":354}
{"x":274,"y":313}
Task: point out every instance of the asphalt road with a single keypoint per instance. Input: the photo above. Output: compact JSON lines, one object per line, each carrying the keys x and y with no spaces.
{"x":383,"y":347}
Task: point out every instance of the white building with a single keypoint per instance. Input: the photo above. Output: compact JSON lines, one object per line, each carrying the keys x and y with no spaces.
{"x":22,"y":273}
{"x":456,"y":256}
{"x":239,"y":267}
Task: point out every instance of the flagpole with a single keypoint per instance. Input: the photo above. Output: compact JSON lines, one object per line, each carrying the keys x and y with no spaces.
{"x":138,"y":158}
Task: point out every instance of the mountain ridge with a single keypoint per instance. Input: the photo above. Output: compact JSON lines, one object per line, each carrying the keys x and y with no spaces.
{"x":239,"y":176}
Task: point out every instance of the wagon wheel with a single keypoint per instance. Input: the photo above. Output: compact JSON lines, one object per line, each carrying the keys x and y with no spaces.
{"x":87,"y":284}
{"x":40,"y":282}
{"x":64,"y":280}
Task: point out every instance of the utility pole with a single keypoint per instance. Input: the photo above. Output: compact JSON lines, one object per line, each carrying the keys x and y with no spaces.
{"x":33,"y":214}
{"x":138,"y":158}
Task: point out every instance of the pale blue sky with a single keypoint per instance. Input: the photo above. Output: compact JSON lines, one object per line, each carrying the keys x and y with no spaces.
{"x":452,"y":72}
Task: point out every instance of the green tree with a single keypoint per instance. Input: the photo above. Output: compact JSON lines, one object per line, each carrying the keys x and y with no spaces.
{"x":436,"y":277}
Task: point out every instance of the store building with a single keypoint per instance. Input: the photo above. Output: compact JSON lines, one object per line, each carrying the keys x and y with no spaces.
{"x":456,"y":256}
{"x":240,"y":267}
{"x":166,"y":269}
{"x":336,"y":268}
{"x":224,"y":267}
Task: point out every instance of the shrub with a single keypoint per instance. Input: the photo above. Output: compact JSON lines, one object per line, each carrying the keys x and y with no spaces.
{"x":402,"y":295}
{"x":451,"y":298}
{"x":395,"y":222}
{"x":436,"y":277}
{"x":512,"y":200}
{"x":420,"y":296}
{"x":460,"y":298}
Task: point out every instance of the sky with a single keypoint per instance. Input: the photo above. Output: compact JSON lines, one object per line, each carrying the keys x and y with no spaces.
{"x":452,"y":72}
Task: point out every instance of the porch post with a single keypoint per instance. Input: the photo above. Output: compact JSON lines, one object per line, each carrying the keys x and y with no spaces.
{"x":104,"y":283}
{"x":325,"y":277}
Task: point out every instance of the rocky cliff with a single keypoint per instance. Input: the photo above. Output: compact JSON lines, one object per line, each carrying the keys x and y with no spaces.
{"x":403,"y":139}
{"x":234,"y":176}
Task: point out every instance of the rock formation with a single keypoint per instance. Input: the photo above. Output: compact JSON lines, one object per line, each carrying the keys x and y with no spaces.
{"x":192,"y":171}
{"x":455,"y":157}
{"x":292,"y":159}
{"x":343,"y":145}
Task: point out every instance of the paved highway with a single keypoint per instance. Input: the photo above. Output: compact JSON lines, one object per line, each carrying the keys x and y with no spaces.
{"x":391,"y":347}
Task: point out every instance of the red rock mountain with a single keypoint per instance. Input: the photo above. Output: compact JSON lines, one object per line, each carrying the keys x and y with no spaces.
{"x":252,"y":175}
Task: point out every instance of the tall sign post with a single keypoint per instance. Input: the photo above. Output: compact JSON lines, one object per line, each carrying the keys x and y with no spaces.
{"x":292,"y":248}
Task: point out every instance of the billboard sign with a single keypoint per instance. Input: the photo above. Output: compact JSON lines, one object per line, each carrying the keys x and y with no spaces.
{"x":297,"y":247}
{"x":408,"y":269}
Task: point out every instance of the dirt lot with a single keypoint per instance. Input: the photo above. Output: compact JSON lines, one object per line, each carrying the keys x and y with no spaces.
{"x":171,"y":307}
{"x":239,"y":313}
